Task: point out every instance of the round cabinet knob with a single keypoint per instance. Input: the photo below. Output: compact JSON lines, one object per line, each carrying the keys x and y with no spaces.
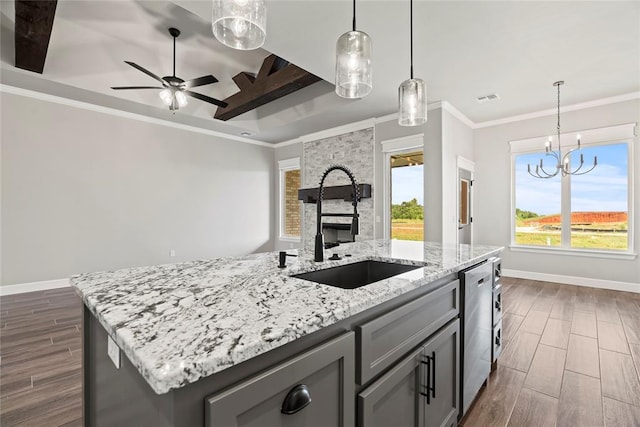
{"x":296,"y":400}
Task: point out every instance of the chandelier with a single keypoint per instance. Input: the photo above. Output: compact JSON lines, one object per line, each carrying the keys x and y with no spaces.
{"x":563,"y":163}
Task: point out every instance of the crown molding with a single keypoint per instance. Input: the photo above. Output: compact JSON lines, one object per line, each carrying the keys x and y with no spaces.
{"x":119,"y":113}
{"x":338,"y":130}
{"x":566,"y":108}
{"x":457,"y":114}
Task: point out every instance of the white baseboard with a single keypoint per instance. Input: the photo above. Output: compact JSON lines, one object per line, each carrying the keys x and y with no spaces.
{"x":572,"y":280}
{"x":22,"y":288}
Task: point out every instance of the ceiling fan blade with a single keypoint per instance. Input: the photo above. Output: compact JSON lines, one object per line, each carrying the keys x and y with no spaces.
{"x":147,"y":72}
{"x":200,"y":81}
{"x":206,"y":98}
{"x":136,"y":87}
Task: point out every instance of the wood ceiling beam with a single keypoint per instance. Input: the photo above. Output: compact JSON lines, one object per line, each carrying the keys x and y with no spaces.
{"x":34,"y":21}
{"x":276,"y":78}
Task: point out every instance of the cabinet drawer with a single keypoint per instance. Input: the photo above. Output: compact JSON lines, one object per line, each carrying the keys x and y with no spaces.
{"x":479,"y":274}
{"x":497,"y":304}
{"x":327,"y":373}
{"x":497,"y":341}
{"x":382,"y":341}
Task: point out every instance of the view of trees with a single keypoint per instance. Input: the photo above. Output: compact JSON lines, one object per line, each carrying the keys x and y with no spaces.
{"x":520,"y":214}
{"x":407,"y":210}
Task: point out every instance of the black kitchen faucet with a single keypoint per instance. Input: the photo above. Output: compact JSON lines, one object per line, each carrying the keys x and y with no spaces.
{"x":319,"y":247}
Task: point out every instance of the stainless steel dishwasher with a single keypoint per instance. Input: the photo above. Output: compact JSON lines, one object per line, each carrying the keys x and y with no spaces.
{"x":476,"y":309}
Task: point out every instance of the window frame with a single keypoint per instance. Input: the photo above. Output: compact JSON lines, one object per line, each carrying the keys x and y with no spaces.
{"x":589,"y":138}
{"x":284,"y":166}
{"x":391,"y":147}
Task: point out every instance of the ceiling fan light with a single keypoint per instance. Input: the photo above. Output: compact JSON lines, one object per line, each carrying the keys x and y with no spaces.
{"x":353,"y":65}
{"x":240,"y":24}
{"x":166,"y":97}
{"x":181,"y":98}
{"x":412,"y":100}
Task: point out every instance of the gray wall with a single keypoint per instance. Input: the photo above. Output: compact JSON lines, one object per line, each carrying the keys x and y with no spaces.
{"x":282,"y":153}
{"x":493,"y":193}
{"x":457,"y":140}
{"x":85,"y":191}
{"x":433,"y":169}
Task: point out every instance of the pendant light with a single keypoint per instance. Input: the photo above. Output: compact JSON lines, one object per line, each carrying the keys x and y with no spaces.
{"x":353,"y":63}
{"x":412,"y":93}
{"x":240,"y":24}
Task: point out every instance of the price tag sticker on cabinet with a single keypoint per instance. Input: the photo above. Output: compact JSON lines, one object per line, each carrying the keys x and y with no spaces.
{"x":114,"y":352}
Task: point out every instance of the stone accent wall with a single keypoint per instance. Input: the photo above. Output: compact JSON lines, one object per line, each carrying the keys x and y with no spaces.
{"x":353,"y":150}
{"x":291,"y":203}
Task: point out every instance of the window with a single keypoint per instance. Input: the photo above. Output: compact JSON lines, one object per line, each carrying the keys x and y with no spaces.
{"x":404,"y":187}
{"x":407,"y":193}
{"x":583,"y":212}
{"x":289,"y":203}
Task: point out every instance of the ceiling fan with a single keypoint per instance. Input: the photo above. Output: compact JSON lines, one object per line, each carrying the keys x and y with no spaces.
{"x":175,"y":90}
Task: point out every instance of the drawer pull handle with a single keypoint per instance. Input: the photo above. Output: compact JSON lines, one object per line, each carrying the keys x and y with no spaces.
{"x":433,"y":374}
{"x":296,"y":400}
{"x":426,"y":360}
{"x":430,"y":388}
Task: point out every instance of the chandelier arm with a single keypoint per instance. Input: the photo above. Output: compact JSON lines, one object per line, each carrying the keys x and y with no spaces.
{"x":553,"y":154}
{"x":575,"y":172}
{"x":537,"y":175}
{"x":583,"y":172}
{"x":548,"y":175}
{"x":570,"y":151}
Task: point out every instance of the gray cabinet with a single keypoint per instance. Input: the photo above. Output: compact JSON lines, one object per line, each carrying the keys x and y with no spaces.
{"x":442,"y":356}
{"x":385,"y":339}
{"x":421,"y":390}
{"x":327,"y":374}
{"x":394,"y":399}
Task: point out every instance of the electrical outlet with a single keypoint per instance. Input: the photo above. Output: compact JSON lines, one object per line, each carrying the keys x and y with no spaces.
{"x":377,"y":218}
{"x":172,"y":252}
{"x":114,"y":352}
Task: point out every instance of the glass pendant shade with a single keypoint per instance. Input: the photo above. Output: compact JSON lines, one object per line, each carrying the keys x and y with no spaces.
{"x":181,"y":98}
{"x":412,"y":99}
{"x":240,"y":24}
{"x":173,"y":99}
{"x":353,"y":65}
{"x":165,"y":96}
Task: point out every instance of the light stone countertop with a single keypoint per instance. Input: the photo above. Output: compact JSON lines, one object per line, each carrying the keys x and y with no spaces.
{"x":181,"y":322}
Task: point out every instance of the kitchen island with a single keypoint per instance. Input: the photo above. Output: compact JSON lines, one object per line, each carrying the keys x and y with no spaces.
{"x":197,"y":329}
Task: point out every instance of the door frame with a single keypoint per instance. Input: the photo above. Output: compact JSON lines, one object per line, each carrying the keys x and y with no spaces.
{"x":392,"y":147}
{"x":469,"y":166}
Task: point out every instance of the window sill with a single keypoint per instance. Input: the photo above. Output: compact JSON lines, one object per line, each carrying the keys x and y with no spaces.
{"x":289,"y":239}
{"x":573,"y":252}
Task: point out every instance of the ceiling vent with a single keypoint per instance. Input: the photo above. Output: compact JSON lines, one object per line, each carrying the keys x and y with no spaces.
{"x":486,"y":98}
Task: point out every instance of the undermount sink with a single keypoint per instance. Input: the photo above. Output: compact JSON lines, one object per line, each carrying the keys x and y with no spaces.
{"x":351,"y":276}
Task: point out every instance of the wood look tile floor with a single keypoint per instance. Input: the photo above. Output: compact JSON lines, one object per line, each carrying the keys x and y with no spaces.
{"x":571,"y":358}
{"x":41,"y":359}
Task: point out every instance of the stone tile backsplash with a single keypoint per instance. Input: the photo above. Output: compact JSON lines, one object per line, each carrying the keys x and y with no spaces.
{"x":353,"y":150}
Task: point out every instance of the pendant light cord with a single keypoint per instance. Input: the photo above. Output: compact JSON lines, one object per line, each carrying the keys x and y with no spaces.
{"x":411,"y":32}
{"x":354,"y":15}
{"x":174,"y":56}
{"x":558,"y":117}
